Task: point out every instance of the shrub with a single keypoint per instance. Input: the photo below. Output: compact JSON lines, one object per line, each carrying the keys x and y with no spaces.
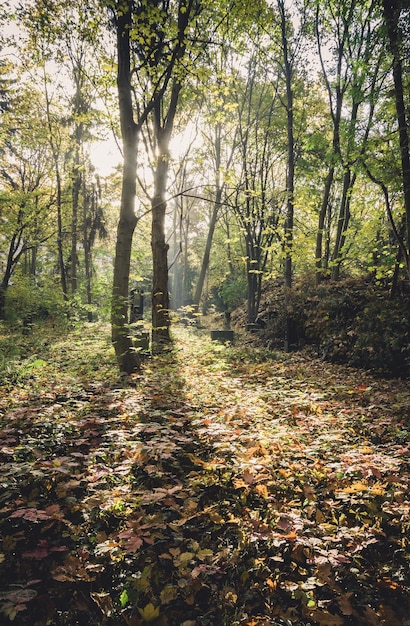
{"x":25,"y":299}
{"x":353,"y":321}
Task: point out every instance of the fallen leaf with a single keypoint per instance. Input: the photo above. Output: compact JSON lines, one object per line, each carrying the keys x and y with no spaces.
{"x":149,"y":613}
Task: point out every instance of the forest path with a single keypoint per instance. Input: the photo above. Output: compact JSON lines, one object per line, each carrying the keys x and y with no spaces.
{"x":220,"y":486}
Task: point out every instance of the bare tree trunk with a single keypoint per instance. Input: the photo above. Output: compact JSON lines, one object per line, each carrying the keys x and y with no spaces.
{"x":128,"y":360}
{"x":60,"y":246}
{"x":214,"y":217}
{"x":76,"y":182}
{"x":160,"y":295}
{"x":336,"y":114}
{"x":74,"y":222}
{"x":290,"y":176}
{"x":319,"y":261}
{"x":208,"y":246}
{"x":87,"y":250}
{"x":342,"y":223}
{"x":12,"y":258}
{"x":161,"y":319}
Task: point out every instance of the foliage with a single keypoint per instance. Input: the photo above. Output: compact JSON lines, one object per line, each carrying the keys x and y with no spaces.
{"x":231,"y":292}
{"x":354,"y":321}
{"x":27,"y":299}
{"x":218,"y":486}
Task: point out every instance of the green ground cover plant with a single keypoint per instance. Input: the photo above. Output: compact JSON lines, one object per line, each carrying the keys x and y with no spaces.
{"x":222,"y":485}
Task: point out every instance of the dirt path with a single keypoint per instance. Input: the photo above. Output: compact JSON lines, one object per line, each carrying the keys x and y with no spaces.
{"x":222,"y":486}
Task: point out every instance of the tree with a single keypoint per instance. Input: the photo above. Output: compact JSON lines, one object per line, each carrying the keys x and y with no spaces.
{"x":156,"y":43}
{"x":220,"y":138}
{"x":257,"y":199}
{"x":25,"y":176}
{"x":128,"y":360}
{"x":352,"y":81}
{"x":288,"y":71}
{"x":394,"y":12}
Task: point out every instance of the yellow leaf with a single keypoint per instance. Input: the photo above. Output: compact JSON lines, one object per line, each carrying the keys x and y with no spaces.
{"x":378,"y":489}
{"x":183,"y":559}
{"x":149,"y":612}
{"x":216,"y":518}
{"x":168,"y":594}
{"x":272,"y":584}
{"x":204,"y":554}
{"x":366,"y":450}
{"x":262,"y":490}
{"x":356,"y":487}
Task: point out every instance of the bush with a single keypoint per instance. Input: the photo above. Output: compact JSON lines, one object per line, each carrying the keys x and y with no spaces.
{"x":25,"y":299}
{"x":230,"y":293}
{"x":358,"y":324}
{"x":353,"y":322}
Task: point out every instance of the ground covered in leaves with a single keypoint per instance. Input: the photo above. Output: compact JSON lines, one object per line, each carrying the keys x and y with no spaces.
{"x":221,"y":486}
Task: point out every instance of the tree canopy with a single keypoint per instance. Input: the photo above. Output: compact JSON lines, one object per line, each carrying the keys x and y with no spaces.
{"x":296,"y":163}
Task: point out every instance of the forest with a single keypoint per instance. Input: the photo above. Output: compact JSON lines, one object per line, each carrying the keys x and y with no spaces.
{"x":204,"y":312}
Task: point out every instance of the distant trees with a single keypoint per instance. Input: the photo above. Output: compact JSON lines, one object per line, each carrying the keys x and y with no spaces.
{"x":298,"y":163}
{"x":56,"y":119}
{"x":258,"y":198}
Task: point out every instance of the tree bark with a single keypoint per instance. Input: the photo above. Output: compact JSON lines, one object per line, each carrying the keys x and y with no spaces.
{"x":321,"y":225}
{"x":290,"y":339}
{"x":391,"y":9}
{"x":214,"y":217}
{"x":87,"y":249}
{"x":160,"y":294}
{"x":342,"y":223}
{"x":161,"y":319}
{"x":127,"y":359}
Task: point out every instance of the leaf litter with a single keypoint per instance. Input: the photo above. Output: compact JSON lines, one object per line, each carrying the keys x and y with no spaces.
{"x":222,"y":485}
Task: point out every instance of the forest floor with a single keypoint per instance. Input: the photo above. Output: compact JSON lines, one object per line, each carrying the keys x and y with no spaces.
{"x":220,"y":486}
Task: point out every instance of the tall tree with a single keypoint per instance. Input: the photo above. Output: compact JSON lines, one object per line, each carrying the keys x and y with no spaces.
{"x":257,"y":203}
{"x":394,"y":13}
{"x":157,"y":43}
{"x":220,"y":137}
{"x":351,"y":75}
{"x":127,"y":358}
{"x":288,"y":57}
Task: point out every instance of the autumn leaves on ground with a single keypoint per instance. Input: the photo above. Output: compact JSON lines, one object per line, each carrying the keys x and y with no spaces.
{"x":221,"y":486}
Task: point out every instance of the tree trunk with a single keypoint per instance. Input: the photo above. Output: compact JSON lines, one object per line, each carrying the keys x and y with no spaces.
{"x":127,"y":359}
{"x":342,"y":224}
{"x":59,"y":200}
{"x":391,"y":16}
{"x":160,"y":295}
{"x":321,"y":226}
{"x":336,"y":114}
{"x":161,"y":319}
{"x":87,"y":249}
{"x":290,"y":177}
{"x":214,"y":217}
{"x":74,"y":219}
{"x":208,"y":246}
{"x":13,"y":256}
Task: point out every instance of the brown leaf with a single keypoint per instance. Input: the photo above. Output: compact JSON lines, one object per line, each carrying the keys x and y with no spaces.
{"x":324,"y":618}
{"x":370,"y":616}
{"x":345,"y":604}
{"x":103,"y":601}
